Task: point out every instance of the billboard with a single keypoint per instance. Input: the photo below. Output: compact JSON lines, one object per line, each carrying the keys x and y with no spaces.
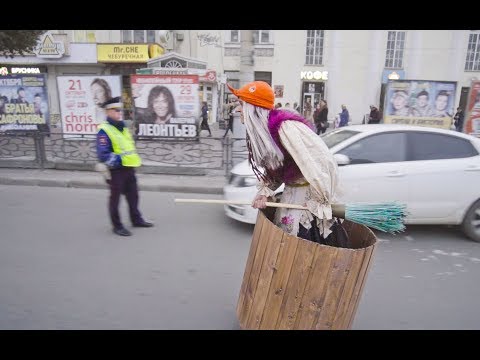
{"x":471,"y":123}
{"x":24,"y":103}
{"x":81,"y":98}
{"x":166,"y":105}
{"x":420,"y":102}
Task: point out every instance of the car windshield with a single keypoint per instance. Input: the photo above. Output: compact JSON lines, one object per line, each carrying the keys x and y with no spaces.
{"x":337,"y":136}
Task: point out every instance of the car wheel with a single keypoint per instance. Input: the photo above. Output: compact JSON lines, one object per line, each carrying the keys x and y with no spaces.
{"x":471,"y":222}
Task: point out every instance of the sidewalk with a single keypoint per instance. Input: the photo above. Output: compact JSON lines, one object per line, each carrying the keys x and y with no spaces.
{"x":94,"y":180}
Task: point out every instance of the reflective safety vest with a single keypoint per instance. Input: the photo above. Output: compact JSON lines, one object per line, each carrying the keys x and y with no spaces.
{"x":123,"y":144}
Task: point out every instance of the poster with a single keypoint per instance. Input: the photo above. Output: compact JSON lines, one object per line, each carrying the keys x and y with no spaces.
{"x":471,"y":124}
{"x":81,"y":98}
{"x":166,"y":105}
{"x":278,"y":89}
{"x":24,"y":103}
{"x":420,"y":102}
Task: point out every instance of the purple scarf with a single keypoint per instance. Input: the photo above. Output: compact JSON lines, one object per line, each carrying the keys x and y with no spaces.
{"x":290,"y":171}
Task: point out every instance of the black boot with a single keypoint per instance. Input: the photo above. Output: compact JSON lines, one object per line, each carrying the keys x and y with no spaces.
{"x":122,"y":231}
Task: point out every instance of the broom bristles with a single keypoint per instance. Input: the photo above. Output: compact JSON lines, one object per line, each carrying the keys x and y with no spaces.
{"x":387,"y":217}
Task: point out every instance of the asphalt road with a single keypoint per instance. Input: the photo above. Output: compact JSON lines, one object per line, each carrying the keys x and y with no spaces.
{"x":61,"y":267}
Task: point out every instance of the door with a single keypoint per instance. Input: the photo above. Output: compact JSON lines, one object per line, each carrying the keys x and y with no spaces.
{"x":377,"y":170}
{"x":442,"y":174}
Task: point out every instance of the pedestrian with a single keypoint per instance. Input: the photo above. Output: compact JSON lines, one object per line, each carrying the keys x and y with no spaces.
{"x":323,"y":116}
{"x":231,"y":112}
{"x":316,"y":118}
{"x":116,"y":149}
{"x":204,"y":124}
{"x":459,"y":116}
{"x":296,"y":107}
{"x":285,"y":146}
{"x":344,"y":116}
{"x":374,"y":117}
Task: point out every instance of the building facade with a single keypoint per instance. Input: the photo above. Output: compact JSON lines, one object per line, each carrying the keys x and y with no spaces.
{"x":348,"y":67}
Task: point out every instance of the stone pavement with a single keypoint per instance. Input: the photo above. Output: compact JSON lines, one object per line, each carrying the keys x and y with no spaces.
{"x":206,"y":184}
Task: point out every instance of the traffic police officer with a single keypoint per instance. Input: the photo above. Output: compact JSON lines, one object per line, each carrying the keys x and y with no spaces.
{"x":116,"y":149}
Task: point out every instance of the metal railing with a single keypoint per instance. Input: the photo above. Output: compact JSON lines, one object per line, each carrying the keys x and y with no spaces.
{"x":195,"y":156}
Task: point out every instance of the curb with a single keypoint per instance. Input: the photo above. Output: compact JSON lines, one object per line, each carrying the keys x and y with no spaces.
{"x":101,"y":185}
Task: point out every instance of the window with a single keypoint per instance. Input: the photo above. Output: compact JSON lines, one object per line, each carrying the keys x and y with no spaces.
{"x":380,"y":148}
{"x":235,"y":36}
{"x":261,"y":37}
{"x":263,"y":76}
{"x":233,"y":78}
{"x":395,"y":47}
{"x":138,"y":36}
{"x":428,"y":146}
{"x":472,"y":63}
{"x":84,"y":36}
{"x":335,"y":137}
{"x":314,"y":49}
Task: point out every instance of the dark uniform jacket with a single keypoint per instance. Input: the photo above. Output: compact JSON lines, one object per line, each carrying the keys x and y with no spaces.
{"x":105,"y":149}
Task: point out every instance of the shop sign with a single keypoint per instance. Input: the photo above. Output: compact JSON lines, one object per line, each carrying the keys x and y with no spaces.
{"x":388,"y":75}
{"x":127,"y":53}
{"x":209,"y":76}
{"x":13,"y":70}
{"x":313,"y":75}
{"x":48,"y":47}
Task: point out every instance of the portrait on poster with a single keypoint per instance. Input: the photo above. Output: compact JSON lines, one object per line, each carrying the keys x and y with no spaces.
{"x":24,"y":103}
{"x":278,"y":89}
{"x":81,"y":99}
{"x":420,"y":102}
{"x":166,"y":105}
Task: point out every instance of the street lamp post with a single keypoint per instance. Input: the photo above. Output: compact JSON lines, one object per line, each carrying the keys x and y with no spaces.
{"x":246,"y":74}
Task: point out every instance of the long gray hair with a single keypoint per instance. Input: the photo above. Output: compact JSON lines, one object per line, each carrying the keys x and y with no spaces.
{"x":265,"y":151}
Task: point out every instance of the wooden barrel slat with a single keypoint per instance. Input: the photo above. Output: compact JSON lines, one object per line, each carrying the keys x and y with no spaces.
{"x":341,"y":321}
{"x":296,"y":284}
{"x":338,"y":272}
{"x":241,"y":309}
{"x":367,"y":260}
{"x":274,"y":239}
{"x":279,"y":282}
{"x":315,"y":292}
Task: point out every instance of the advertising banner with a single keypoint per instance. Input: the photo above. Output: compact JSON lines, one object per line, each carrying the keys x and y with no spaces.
{"x":471,"y":123}
{"x":420,"y":102}
{"x":24,"y":103}
{"x":81,"y":98}
{"x":166,"y":105}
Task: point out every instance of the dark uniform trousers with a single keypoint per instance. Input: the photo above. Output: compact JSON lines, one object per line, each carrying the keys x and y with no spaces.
{"x":124,"y":181}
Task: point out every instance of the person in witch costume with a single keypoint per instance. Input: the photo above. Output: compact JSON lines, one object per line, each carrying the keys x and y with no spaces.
{"x":285,"y":145}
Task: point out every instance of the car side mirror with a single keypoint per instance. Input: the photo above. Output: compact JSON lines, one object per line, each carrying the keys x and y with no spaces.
{"x":341,"y":159}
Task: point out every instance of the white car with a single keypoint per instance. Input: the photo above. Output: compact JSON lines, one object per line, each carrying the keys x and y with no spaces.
{"x":435,"y":172}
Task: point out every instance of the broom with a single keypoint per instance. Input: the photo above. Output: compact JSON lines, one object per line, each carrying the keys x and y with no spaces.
{"x":387,"y":217}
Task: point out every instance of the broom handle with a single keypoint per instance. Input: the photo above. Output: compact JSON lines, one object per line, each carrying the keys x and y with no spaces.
{"x":338,"y":210}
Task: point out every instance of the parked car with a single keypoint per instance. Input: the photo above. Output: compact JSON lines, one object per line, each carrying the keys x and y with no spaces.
{"x":435,"y":172}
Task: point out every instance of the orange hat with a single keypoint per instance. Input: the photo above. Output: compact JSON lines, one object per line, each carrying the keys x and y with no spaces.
{"x":257,"y":93}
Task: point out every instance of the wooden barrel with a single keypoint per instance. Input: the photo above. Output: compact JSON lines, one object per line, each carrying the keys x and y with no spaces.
{"x":292,"y":283}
